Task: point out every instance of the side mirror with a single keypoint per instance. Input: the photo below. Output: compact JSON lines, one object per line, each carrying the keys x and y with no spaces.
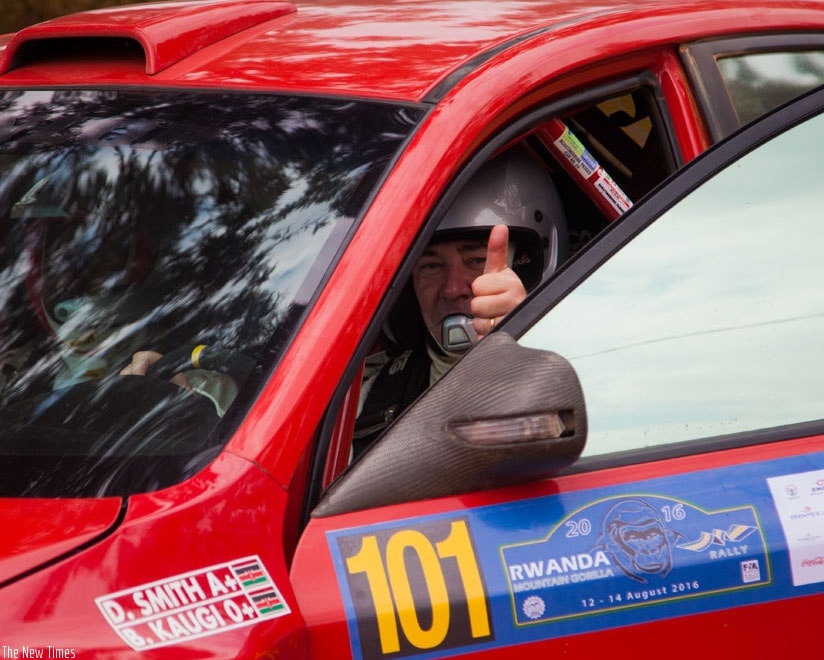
{"x":503,"y":415}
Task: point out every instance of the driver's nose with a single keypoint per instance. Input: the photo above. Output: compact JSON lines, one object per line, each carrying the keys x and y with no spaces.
{"x":458,"y":282}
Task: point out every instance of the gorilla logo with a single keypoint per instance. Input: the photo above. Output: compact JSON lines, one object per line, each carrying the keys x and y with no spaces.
{"x":635,"y":535}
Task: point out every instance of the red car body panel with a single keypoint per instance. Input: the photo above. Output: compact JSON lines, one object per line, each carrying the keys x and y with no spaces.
{"x":401,"y":50}
{"x":57,"y":566}
{"x":157,"y":537}
{"x":31,"y":540}
{"x":730,"y":629}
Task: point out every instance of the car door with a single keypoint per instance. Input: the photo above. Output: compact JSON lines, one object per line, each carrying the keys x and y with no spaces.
{"x":693,"y":519}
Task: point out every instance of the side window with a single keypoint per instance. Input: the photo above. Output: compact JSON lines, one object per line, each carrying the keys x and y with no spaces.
{"x":710,"y":321}
{"x":602,"y":150}
{"x":599,"y":154}
{"x":737,"y":80}
{"x":760,"y":82}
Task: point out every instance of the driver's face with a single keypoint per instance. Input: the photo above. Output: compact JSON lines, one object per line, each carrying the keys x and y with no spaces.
{"x":442,"y":279}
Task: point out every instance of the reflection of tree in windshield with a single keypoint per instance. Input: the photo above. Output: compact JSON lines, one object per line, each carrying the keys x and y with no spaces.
{"x":147,"y":221}
{"x":150,"y":222}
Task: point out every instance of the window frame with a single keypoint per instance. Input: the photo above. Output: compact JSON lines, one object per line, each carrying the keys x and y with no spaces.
{"x":514,"y":131}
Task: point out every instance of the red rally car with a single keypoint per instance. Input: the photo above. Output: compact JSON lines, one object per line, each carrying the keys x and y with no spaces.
{"x":631,"y":463}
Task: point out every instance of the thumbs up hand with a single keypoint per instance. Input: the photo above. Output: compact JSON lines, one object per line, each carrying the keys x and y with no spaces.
{"x":498,"y":290}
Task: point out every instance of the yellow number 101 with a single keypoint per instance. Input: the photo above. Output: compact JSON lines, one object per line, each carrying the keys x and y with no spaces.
{"x":391,"y":591}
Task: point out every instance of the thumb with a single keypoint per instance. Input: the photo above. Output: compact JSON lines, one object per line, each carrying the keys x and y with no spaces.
{"x":497,"y":249}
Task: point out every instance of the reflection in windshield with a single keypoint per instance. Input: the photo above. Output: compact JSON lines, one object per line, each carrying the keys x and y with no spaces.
{"x":711,"y":321}
{"x":163,"y":222}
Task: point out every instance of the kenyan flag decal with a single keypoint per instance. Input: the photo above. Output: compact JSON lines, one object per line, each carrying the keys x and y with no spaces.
{"x":250,"y":574}
{"x":198,"y":603}
{"x":267,"y":601}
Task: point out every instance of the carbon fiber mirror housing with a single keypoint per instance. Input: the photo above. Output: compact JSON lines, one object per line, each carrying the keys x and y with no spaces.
{"x":503,"y":415}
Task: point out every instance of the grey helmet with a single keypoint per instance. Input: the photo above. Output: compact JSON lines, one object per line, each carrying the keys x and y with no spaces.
{"x":514,"y":190}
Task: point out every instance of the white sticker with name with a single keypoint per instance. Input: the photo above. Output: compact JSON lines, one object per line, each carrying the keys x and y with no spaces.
{"x":799,"y":499}
{"x":196,"y":604}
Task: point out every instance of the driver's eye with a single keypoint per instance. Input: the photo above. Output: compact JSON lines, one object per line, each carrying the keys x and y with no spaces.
{"x":428,"y":268}
{"x":476,"y":261}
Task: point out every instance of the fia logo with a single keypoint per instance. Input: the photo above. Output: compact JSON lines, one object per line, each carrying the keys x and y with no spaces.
{"x":750,"y":571}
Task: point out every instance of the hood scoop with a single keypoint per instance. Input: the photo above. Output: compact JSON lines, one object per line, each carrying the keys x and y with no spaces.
{"x":166,"y":32}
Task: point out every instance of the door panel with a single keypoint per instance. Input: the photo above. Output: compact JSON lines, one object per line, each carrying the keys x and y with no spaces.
{"x":565,"y":565}
{"x":714,"y":547}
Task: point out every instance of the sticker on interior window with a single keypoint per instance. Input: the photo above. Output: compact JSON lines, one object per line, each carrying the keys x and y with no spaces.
{"x":197,"y":604}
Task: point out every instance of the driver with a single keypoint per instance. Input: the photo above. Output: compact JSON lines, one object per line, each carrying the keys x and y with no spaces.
{"x":83,"y":271}
{"x":504,"y":233}
{"x":88,"y":279}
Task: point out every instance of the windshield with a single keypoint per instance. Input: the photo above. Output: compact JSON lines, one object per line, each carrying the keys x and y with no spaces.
{"x":192,"y":226}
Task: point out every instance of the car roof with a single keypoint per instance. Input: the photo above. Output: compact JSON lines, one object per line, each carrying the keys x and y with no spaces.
{"x":390,"y":49}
